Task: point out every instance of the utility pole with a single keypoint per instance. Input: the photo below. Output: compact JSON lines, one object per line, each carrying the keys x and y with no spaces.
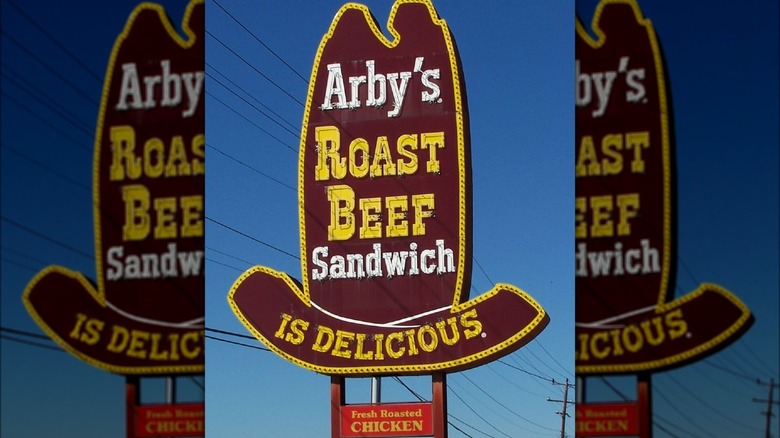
{"x":769,"y":404}
{"x":565,"y":402}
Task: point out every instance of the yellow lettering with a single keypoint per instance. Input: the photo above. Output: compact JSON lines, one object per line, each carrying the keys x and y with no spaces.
{"x":397,"y":337}
{"x":405,"y":143}
{"x":371,"y":226}
{"x":602,"y":223}
{"x":342,"y":219}
{"x":136,"y":347}
{"x":154,"y":157}
{"x":340,"y":348}
{"x":191,"y":215}
{"x":124,"y":163}
{"x":423,"y":208}
{"x":285,"y":319}
{"x":430,"y":344}
{"x":329,"y":162}
{"x":628,"y":208}
{"x":638,"y":141}
{"x":186,"y":350}
{"x":472,"y":326}
{"x":358,"y":158}
{"x":397,"y":214}
{"x":432,"y":141}
{"x":382,"y":163}
{"x":324,"y":339}
{"x":198,"y":165}
{"x":119,"y":339}
{"x":137,"y":222}
{"x":166,"y":218}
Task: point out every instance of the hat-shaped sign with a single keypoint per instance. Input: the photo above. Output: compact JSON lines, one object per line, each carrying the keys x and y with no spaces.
{"x":384,"y":207}
{"x":145,"y":315}
{"x":625,"y":322}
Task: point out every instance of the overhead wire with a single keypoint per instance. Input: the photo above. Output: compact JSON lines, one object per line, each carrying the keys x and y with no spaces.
{"x":50,"y":69}
{"x":263,"y":130}
{"x":703,"y":403}
{"x":240,"y":24}
{"x":512,"y":411}
{"x":468,"y":406}
{"x":37,"y":116}
{"x":52,"y":105}
{"x":263,"y":75}
{"x":259,"y":110}
{"x":56,"y":41}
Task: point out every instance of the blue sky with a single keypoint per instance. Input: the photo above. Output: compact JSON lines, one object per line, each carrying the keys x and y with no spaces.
{"x":518,"y":63}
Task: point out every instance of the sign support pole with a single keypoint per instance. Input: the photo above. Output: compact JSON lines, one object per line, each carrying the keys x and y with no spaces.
{"x":132,"y":398}
{"x":376,"y":390}
{"x":439,"y":382}
{"x":170,"y":390}
{"x":337,"y":400}
{"x":644,"y":405}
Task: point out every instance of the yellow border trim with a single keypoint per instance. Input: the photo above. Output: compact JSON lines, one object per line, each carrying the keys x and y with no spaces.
{"x":462,"y":214}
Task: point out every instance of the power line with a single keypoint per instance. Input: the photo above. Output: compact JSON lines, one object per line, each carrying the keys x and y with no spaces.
{"x":263,"y":130}
{"x":46,"y":122}
{"x":263,"y":174}
{"x":277,"y":123}
{"x":254,"y":239}
{"x":681,"y":411}
{"x":501,"y":361}
{"x":263,"y":75}
{"x":260,"y":41}
{"x":45,"y":167}
{"x":727,"y":370}
{"x":31,"y":343}
{"x":53,"y":106}
{"x":48,"y":238}
{"x":51,"y":70}
{"x":513,"y":412}
{"x":56,"y":42}
{"x":455,"y":393}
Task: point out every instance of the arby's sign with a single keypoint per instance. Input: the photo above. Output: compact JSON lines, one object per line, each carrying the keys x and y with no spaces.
{"x":384,"y":211}
{"x":144,"y":314}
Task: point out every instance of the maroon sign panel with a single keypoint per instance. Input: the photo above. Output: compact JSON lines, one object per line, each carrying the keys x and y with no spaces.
{"x":145,"y":314}
{"x":384,"y":195}
{"x":624,"y":210}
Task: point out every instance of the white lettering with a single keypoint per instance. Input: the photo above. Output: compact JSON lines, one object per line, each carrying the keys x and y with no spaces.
{"x":617,"y":262}
{"x":376,"y":85}
{"x":397,"y":263}
{"x":170,"y":87}
{"x":603,"y":84}
{"x":152,"y":265}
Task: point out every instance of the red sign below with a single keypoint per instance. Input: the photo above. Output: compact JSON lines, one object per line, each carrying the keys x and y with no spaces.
{"x":170,"y":420}
{"x":387,"y":420}
{"x":613,"y":419}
